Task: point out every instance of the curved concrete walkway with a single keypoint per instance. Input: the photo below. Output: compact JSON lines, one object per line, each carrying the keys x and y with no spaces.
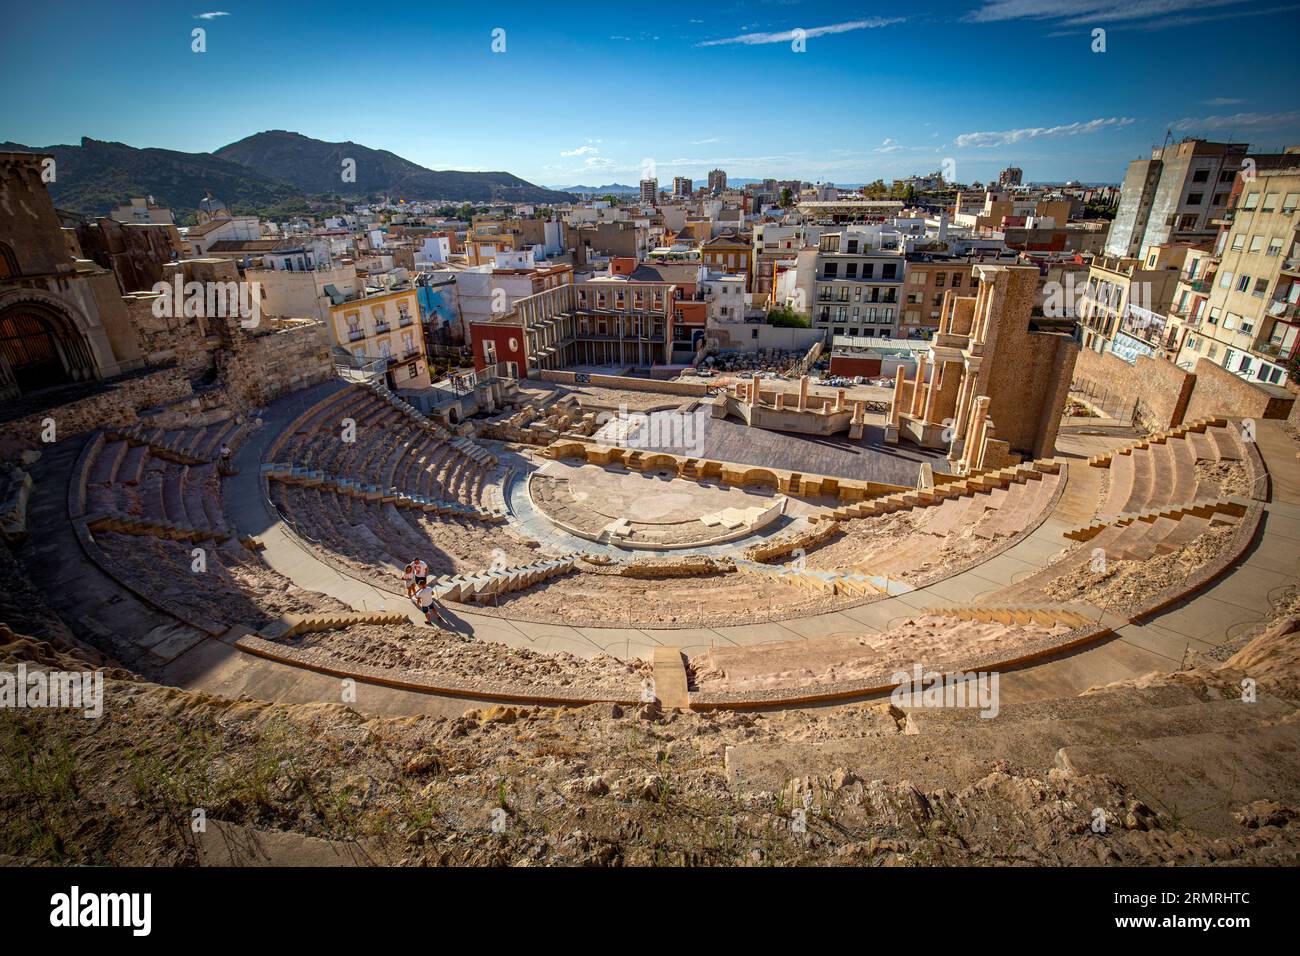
{"x":1234,"y":603}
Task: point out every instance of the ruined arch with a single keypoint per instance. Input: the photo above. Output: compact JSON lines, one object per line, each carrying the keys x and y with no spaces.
{"x":759,"y":478}
{"x":44,"y":342}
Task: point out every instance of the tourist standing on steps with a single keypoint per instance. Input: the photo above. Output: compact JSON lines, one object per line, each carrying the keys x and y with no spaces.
{"x":225,"y":457}
{"x":419,"y":574}
{"x":408,"y":578}
{"x":425,"y":600}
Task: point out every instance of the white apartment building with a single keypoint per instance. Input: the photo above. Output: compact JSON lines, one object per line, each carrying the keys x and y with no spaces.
{"x":857,"y":286}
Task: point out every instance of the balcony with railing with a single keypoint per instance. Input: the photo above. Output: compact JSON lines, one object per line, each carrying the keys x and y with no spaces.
{"x":382,"y":327}
{"x":1276,"y":350}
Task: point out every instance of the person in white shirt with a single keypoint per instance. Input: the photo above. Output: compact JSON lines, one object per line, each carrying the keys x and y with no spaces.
{"x":425,"y":600}
{"x":419,"y":575}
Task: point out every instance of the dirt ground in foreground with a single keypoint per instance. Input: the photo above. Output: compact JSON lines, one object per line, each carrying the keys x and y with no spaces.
{"x":534,"y":786}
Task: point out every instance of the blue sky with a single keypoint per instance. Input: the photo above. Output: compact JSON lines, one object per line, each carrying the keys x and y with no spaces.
{"x":594,"y":93}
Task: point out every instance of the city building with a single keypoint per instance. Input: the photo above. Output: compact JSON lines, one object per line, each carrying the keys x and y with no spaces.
{"x":1245,"y":313}
{"x":140,"y":210}
{"x":928,"y":279}
{"x":682,"y":186}
{"x":650,"y":191}
{"x":717,"y":181}
{"x":857,"y":285}
{"x":1174,"y":196}
{"x":383,"y":327}
{"x":607,"y":321}
{"x":1126,"y":299}
{"x":729,"y":252}
{"x":1011,"y":176}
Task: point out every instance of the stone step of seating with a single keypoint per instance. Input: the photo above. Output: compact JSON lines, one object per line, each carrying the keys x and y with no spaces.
{"x":136,"y":435}
{"x":483,"y":585}
{"x":853,"y":583}
{"x":900,"y":501}
{"x":291,"y":474}
{"x":1233,"y":507}
{"x":1226,"y":444}
{"x":1044,"y":615}
{"x":1105,"y":459}
{"x":291,"y":625}
{"x":1123,"y":474}
{"x":133,"y":525}
{"x":104,"y":469}
{"x":1202,"y":446}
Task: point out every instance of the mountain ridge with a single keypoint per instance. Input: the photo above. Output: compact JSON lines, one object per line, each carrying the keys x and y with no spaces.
{"x":94,"y":176}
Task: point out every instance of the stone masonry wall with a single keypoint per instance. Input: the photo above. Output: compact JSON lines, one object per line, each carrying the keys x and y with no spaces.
{"x":1163,"y":388}
{"x":1219,"y":392}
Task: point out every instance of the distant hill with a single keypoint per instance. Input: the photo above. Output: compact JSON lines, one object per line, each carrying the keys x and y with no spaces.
{"x":94,"y":177}
{"x":272,"y":174}
{"x":315,"y":166}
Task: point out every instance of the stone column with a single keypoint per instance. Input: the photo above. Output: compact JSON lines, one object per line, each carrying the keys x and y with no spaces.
{"x":945,"y":313}
{"x":920,"y":382}
{"x":959,"y":417}
{"x":803,"y":393}
{"x":896,"y":406}
{"x":780,"y":400}
{"x":839,"y":400}
{"x":757,"y":391}
{"x":936,"y":377}
{"x":975,"y":434}
{"x":858,"y":423}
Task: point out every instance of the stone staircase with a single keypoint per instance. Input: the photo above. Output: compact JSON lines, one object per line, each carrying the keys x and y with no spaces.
{"x":922,"y":498}
{"x":484,"y":585}
{"x":293,"y":475}
{"x":291,"y":625}
{"x":1213,"y":509}
{"x":1159,"y":438}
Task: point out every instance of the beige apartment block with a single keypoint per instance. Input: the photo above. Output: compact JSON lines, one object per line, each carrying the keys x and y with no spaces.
{"x":1119,"y":286}
{"x":385,"y":326}
{"x":928,"y":280}
{"x":1250,"y":315}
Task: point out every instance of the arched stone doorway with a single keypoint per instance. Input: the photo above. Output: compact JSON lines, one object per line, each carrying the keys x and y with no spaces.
{"x":41,"y":347}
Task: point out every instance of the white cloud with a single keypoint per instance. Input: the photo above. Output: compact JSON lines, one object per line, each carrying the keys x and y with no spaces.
{"x":580,"y":151}
{"x":1124,"y":14}
{"x":1242,"y":121}
{"x":1008,"y":136}
{"x":705,"y":142}
{"x":212,"y":15}
{"x":785,"y":36}
{"x":1087,"y":11}
{"x":1222,"y":101}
